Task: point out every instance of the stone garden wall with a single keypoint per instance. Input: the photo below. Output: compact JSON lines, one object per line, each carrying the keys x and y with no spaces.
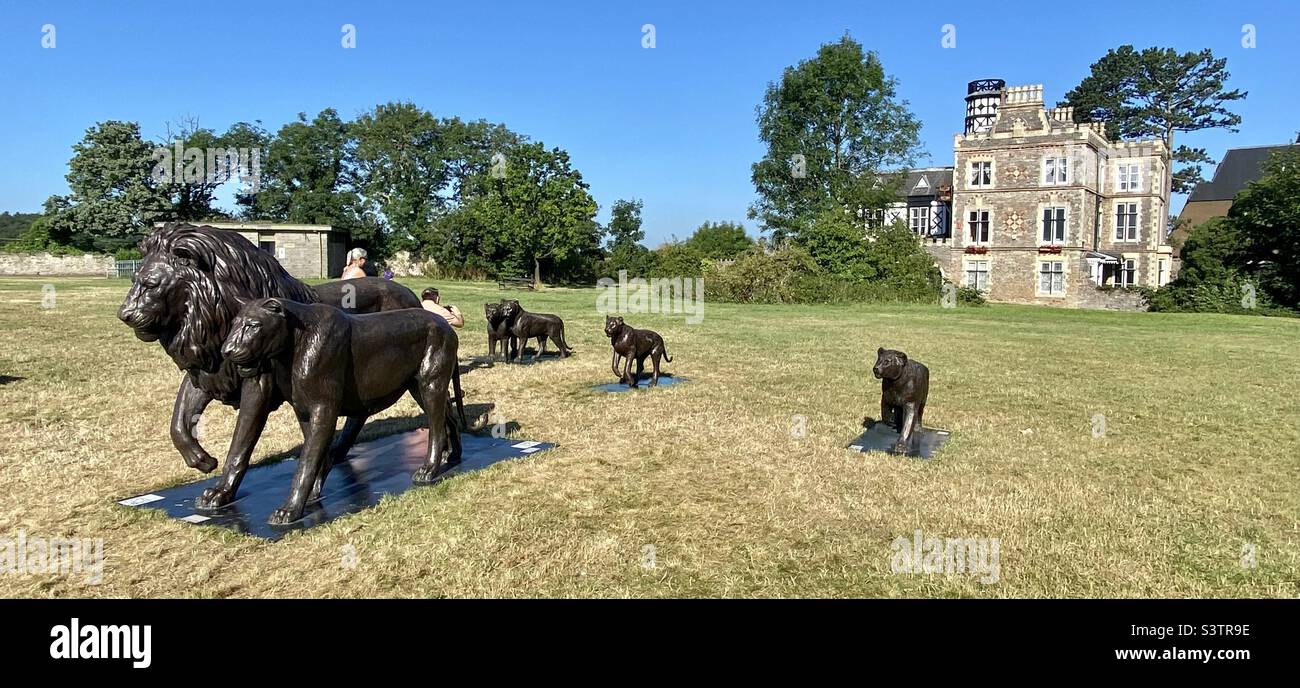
{"x":45,"y":264}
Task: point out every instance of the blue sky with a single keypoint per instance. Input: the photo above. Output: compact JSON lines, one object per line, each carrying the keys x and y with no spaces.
{"x":672,"y":125}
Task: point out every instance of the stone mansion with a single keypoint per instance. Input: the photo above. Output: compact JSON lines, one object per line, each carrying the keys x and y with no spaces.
{"x":1040,"y":209}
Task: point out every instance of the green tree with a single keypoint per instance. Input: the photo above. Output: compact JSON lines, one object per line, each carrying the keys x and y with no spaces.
{"x":720,"y":240}
{"x":839,"y":245}
{"x":112,"y":200}
{"x":534,"y":209}
{"x":1158,"y":92}
{"x":677,"y":259}
{"x":305,"y":178}
{"x":624,"y":224}
{"x":830,"y":125}
{"x":402,"y":167}
{"x":1265,"y":219}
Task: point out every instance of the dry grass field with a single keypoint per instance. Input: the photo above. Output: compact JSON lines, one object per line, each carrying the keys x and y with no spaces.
{"x":1199,"y":463}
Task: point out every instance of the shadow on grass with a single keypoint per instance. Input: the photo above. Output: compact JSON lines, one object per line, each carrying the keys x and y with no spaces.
{"x":477,"y":415}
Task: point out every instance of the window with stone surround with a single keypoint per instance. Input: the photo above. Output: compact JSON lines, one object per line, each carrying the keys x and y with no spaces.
{"x":1128,"y":272}
{"x":918,"y":220}
{"x":1053,"y":231}
{"x":1056,"y":171}
{"x":1126,"y":222}
{"x":981,"y":173}
{"x":979,"y":226}
{"x":977,"y":274}
{"x":1129,"y":177}
{"x":1051,"y":277}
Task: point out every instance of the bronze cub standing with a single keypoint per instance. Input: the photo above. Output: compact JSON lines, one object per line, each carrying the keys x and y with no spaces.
{"x":904,"y":386}
{"x":499,"y":331}
{"x":631,"y":343}
{"x":524,"y":326}
{"x":329,"y":364}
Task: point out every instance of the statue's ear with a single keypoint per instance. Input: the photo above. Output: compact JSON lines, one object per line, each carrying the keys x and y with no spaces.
{"x":880,"y":351}
{"x":273,"y":306}
{"x":902,"y":358}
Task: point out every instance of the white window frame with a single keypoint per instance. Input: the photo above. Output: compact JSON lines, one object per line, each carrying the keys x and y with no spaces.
{"x":919,"y":214}
{"x":1129,"y":232}
{"x":1162,"y":272}
{"x":1128,"y":177}
{"x":973,"y":176}
{"x":1064,"y":226}
{"x":1056,"y":278}
{"x":1122,"y":278}
{"x":1056,"y":171}
{"x":987,"y":222}
{"x":974,"y":266}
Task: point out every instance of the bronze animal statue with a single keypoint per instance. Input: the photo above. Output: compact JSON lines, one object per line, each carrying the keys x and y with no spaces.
{"x":327,"y":364}
{"x":499,"y":331}
{"x":630,"y":343}
{"x":904,"y":386}
{"x":524,"y":326}
{"x":192,"y":283}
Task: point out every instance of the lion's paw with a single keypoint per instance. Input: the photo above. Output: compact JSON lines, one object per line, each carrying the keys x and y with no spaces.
{"x":214,"y":498}
{"x":284,"y":516}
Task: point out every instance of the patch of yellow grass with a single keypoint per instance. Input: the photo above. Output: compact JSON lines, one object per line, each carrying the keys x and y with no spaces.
{"x":1201,"y":458}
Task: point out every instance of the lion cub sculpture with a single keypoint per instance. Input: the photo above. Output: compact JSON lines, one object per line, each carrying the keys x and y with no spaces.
{"x":499,"y":331}
{"x":630,"y":343}
{"x":329,"y":364}
{"x":524,"y":326}
{"x":904,"y":386}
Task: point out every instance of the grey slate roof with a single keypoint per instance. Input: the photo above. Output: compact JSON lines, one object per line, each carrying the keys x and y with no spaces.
{"x":925,"y":181}
{"x":1238,"y":167}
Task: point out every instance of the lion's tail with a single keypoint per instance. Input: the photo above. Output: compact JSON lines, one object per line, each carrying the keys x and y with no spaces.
{"x":666,"y":356}
{"x":563,"y":344}
{"x":460,"y":395}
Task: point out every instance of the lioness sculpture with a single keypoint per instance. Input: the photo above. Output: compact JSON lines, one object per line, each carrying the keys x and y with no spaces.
{"x":499,"y":331}
{"x":524,"y":326}
{"x":630,"y":343}
{"x":189,"y":288}
{"x":329,"y":364}
{"x":904,"y":386}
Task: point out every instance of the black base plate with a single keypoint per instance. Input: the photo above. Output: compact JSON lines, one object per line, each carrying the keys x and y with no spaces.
{"x":374,"y":469}
{"x":882,"y":438}
{"x":643,"y":382}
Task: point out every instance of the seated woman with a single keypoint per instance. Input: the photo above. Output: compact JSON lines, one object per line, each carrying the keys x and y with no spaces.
{"x":356,"y":264}
{"x":429,"y":299}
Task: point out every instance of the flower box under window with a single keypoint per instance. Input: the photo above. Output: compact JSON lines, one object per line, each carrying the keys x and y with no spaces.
{"x":977,"y":249}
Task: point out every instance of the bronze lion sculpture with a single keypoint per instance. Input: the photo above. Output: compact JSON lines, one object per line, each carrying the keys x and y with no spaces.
{"x":337,"y":364}
{"x":191,"y":285}
{"x":631,"y":344}
{"x":524,"y":325}
{"x":904,"y":387}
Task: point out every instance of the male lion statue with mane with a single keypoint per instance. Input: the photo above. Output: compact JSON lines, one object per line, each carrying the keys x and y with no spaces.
{"x":191,"y":285}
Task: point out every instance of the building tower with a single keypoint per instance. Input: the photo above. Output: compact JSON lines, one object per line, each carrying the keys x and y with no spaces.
{"x":982,"y":100}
